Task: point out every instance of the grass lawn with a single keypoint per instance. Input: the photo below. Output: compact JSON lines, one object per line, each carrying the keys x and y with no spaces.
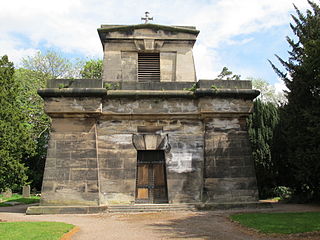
{"x":283,"y":223}
{"x":33,"y":230}
{"x":18,"y":198}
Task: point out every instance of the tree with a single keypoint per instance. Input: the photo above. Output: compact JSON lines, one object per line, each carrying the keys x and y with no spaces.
{"x":226,"y":74}
{"x":267,"y":91}
{"x":92,"y":69}
{"x":261,"y":127}
{"x":16,"y":142}
{"x":302,"y":112}
{"x":51,"y":65}
{"x":36,"y":71}
{"x":33,"y":105}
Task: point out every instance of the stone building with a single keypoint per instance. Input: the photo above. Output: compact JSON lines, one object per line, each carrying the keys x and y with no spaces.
{"x":148,"y":131}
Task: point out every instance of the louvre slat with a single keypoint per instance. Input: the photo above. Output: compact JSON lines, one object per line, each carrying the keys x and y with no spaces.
{"x":149,"y":66}
{"x":144,"y":73}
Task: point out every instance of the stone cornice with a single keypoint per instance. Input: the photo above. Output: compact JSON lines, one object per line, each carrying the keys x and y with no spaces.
{"x":124,"y":28}
{"x":101,"y":92}
{"x":72,"y":92}
{"x":137,"y":116}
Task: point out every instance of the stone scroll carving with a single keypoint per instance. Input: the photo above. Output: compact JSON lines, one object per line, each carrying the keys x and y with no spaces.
{"x":151,"y":142}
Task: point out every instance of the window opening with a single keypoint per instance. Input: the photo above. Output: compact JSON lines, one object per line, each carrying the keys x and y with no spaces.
{"x":148,"y":67}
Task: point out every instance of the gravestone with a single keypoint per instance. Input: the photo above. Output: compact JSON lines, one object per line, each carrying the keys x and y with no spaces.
{"x":34,"y":190}
{"x":26,"y":191}
{"x":7,"y":193}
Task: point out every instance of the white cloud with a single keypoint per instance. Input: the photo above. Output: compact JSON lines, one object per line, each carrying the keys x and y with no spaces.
{"x":71,"y":25}
{"x":206,"y":62}
{"x":14,"y":48}
{"x":239,"y":42}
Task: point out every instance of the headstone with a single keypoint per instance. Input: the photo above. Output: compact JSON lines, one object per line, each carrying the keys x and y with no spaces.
{"x":34,"y":190}
{"x":26,"y":191}
{"x":7,"y":193}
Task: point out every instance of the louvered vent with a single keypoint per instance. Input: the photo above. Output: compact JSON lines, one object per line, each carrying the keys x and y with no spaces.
{"x":148,"y":67}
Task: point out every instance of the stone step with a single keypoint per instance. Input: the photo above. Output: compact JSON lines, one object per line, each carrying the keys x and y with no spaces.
{"x":185,"y":207}
{"x":151,"y":208}
{"x":39,"y":210}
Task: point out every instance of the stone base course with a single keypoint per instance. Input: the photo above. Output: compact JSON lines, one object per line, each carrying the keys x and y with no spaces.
{"x":118,"y":208}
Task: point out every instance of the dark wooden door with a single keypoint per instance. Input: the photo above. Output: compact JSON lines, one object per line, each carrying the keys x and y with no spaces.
{"x":151,"y":177}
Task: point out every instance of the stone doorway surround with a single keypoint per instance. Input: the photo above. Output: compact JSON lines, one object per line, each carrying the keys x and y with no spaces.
{"x":151,"y":177}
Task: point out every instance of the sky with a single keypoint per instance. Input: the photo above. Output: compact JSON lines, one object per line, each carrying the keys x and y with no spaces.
{"x":241,"y":35}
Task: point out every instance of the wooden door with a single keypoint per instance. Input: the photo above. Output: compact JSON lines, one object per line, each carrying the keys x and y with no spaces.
{"x":151,"y":177}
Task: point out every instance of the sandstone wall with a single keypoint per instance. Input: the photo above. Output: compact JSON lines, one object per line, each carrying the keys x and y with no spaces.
{"x":229,"y":174}
{"x":70,"y":176}
{"x":118,"y":159}
{"x":92,"y":159}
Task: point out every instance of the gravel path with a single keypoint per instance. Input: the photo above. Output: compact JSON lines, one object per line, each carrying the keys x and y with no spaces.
{"x":163,"y":225}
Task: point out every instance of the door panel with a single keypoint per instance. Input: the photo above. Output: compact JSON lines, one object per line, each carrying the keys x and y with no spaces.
{"x":158,"y":175}
{"x":143,"y":174}
{"x":160,"y":195}
{"x":143,"y":193}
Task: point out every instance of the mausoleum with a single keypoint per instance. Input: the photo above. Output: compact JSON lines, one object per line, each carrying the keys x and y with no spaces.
{"x":148,"y":132}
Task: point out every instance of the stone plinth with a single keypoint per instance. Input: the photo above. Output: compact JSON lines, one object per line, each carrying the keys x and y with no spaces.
{"x":92,"y":155}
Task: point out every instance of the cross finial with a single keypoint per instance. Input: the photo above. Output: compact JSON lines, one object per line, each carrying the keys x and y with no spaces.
{"x":147,"y":18}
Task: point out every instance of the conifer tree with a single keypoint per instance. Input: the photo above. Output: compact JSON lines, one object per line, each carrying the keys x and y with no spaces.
{"x":16,"y":142}
{"x":261,"y":127}
{"x":302,"y":112}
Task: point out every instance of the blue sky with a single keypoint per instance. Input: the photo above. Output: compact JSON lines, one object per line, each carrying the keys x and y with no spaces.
{"x":241,"y":35}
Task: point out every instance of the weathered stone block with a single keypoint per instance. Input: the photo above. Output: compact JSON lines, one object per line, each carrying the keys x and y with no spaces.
{"x":130,"y":173}
{"x":78,"y":175}
{"x":92,"y":186}
{"x":48,"y":186}
{"x":50,"y":162}
{"x":82,"y":136}
{"x":73,"y":163}
{"x":114,"y":174}
{"x":130,"y":163}
{"x":73,"y":126}
{"x":63,"y":154}
{"x":111,"y":185}
{"x":92,"y":163}
{"x":88,"y":153}
{"x":56,"y":174}
{"x":115,"y":163}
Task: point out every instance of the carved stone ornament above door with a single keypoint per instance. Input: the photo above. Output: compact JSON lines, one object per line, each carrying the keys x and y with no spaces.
{"x":151,"y":142}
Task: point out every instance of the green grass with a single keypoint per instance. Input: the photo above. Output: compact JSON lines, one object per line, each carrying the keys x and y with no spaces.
{"x":283,"y":223}
{"x":33,"y":230}
{"x":18,"y":198}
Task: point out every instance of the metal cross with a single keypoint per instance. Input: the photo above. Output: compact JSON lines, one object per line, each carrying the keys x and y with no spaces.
{"x":147,"y":18}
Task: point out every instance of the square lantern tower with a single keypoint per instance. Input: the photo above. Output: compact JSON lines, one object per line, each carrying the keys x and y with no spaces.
{"x":148,"y":53}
